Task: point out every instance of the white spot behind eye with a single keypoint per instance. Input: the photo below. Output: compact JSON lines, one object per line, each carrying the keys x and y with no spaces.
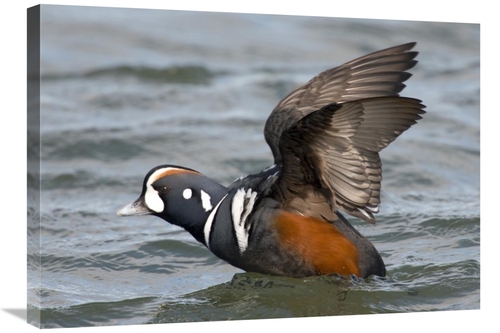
{"x":187,"y":193}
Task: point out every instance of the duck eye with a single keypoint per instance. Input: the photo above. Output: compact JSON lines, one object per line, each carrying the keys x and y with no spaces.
{"x":163,"y":189}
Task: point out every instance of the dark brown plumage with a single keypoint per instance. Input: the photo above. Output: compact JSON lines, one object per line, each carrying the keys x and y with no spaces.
{"x":328,"y":132}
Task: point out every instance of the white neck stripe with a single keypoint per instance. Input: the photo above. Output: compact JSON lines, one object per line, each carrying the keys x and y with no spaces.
{"x":208,"y":224}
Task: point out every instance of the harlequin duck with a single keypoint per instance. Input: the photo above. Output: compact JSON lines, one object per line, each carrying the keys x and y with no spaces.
{"x":285,"y":220}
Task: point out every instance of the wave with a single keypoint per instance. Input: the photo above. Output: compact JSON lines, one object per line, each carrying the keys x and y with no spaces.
{"x":186,"y":74}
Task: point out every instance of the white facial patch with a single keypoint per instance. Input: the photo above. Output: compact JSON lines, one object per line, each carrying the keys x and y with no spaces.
{"x":206,"y":201}
{"x":152,"y":199}
{"x":187,"y":193}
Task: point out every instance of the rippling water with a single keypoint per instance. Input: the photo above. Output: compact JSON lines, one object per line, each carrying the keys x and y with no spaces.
{"x":125,"y":90}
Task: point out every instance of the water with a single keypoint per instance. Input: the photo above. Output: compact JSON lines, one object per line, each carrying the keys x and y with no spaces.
{"x":125,"y":90}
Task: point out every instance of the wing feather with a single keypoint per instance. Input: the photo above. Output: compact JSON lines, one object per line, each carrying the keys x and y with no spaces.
{"x":326,"y":134}
{"x":336,"y":150}
{"x":380,"y":73}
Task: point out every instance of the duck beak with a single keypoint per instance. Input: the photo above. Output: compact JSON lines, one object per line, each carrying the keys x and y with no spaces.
{"x":135,"y":208}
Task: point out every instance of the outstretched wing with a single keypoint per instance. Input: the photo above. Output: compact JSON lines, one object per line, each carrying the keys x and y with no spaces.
{"x":381,"y":73}
{"x":335,"y":150}
{"x":327,"y":134}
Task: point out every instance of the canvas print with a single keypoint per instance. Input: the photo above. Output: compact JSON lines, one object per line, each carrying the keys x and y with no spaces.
{"x":199,"y":166}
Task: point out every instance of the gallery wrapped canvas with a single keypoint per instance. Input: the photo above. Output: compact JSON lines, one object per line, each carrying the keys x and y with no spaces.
{"x":155,"y":113}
